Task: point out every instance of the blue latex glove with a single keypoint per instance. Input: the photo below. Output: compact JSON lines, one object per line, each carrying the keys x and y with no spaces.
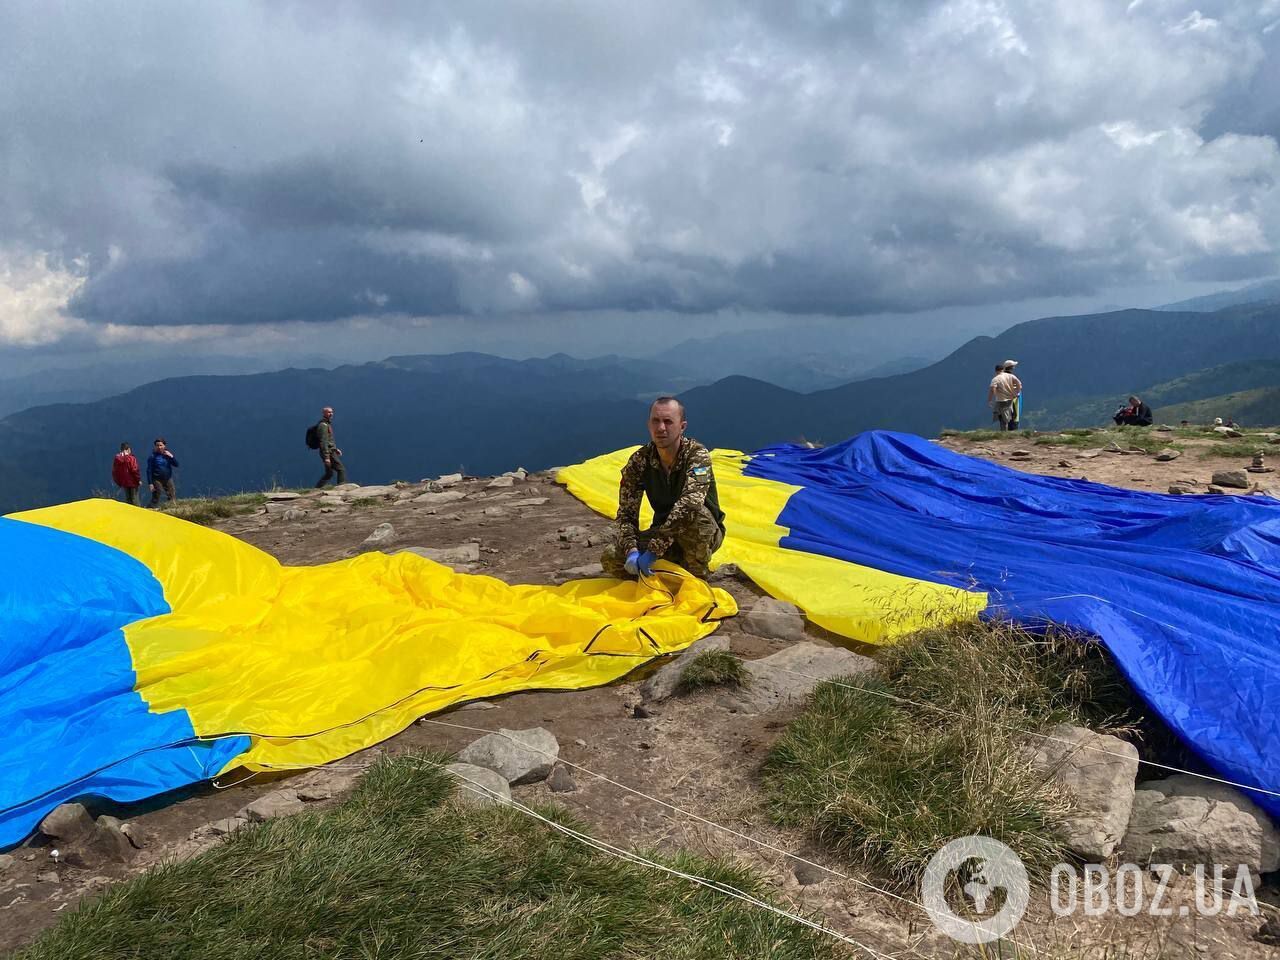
{"x":630,"y":563}
{"x":645,"y":562}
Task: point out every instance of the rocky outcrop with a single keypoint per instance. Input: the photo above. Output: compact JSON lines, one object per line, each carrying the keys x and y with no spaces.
{"x":520,"y":756}
{"x":479,"y":786}
{"x":663,"y":684}
{"x":1098,"y":773}
{"x":788,"y":677}
{"x":774,"y":620}
{"x":1231,"y":478}
{"x":1187,"y":820}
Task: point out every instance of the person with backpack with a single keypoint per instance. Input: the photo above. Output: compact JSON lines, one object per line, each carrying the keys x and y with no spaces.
{"x":126,"y":476}
{"x":320,"y":437}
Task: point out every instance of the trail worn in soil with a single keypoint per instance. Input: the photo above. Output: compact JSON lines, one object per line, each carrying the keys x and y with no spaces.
{"x":691,"y":753}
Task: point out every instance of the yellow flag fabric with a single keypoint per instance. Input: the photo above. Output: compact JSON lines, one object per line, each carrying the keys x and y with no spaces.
{"x":846,"y":598}
{"x":315,"y":663}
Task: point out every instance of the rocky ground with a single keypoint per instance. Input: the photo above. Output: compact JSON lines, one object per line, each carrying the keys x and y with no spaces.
{"x":622,"y":758}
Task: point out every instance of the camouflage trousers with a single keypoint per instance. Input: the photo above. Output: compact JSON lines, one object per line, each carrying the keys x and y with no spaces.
{"x":696,"y":539}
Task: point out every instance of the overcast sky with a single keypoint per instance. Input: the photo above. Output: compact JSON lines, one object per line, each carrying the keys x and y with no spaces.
{"x":313,"y":177}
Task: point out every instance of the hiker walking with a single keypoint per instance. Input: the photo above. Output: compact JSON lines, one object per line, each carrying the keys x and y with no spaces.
{"x":330,"y":455}
{"x":160,"y":473}
{"x":126,"y":476}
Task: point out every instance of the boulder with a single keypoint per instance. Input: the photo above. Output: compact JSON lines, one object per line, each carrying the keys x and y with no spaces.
{"x":573,"y":533}
{"x":447,"y":496}
{"x":1231,"y":478}
{"x":67,"y":822}
{"x":278,"y":803}
{"x":495,"y":512}
{"x":220,"y":828}
{"x":501,"y":482}
{"x":1020,"y":455}
{"x":789,"y":676}
{"x":774,"y":620}
{"x":1187,"y":820}
{"x":449,"y":556}
{"x":1214,"y":489}
{"x":1181,"y":488}
{"x":1228,"y":431}
{"x":371,"y":492}
{"x":293,"y":514}
{"x":561,"y":780}
{"x":1163,"y":428}
{"x":6,"y":863}
{"x":521,"y":756}
{"x":479,"y":786}
{"x":1098,"y":772}
{"x":283,"y":495}
{"x":449,"y":479}
{"x":1090,"y":454}
{"x":663,"y":683}
{"x":526,"y":502}
{"x":383,"y":535}
{"x":587,"y":571}
{"x":108,"y":843}
{"x":1164,"y":456}
{"x":344,"y":487}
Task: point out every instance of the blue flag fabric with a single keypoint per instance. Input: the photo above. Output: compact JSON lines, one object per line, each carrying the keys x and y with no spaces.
{"x":1183,"y":590}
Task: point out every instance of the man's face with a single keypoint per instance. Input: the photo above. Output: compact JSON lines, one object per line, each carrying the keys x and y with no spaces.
{"x":666,"y":427}
{"x":159,"y":446}
{"x":328,"y":413}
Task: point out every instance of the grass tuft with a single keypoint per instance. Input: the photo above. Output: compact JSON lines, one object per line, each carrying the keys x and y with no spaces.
{"x":210,"y":511}
{"x":396,"y":871}
{"x":889,"y":783}
{"x":365,"y":502}
{"x":713,"y":668}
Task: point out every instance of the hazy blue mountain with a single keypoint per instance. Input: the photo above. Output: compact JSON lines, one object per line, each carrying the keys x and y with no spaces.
{"x":409,"y":417}
{"x":1266,"y":291}
{"x":404,"y":418}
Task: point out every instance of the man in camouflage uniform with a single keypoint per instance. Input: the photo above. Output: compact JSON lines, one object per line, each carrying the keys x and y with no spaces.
{"x":675,"y":473}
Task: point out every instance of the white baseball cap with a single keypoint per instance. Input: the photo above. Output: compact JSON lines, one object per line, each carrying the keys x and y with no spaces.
{"x":1009,"y":363}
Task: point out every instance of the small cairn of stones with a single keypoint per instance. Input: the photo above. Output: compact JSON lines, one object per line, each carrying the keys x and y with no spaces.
{"x":1259,"y":464}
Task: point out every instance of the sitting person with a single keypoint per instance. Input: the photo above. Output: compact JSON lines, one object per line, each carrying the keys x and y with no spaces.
{"x":1136,"y":414}
{"x":675,"y":473}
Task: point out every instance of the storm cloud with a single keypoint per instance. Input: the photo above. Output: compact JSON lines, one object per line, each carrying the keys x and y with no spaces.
{"x":252,"y":163}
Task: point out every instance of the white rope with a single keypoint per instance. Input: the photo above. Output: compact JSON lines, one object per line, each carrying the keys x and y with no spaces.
{"x":631,"y":856}
{"x":700,"y":819}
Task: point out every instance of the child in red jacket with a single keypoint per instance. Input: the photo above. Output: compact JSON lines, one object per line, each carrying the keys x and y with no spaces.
{"x":125,"y":474}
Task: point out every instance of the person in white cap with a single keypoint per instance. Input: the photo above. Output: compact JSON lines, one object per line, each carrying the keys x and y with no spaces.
{"x":1004,"y":396}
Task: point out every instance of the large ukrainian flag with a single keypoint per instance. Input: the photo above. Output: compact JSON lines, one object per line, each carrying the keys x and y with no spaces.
{"x":140,"y":653}
{"x":887,"y":531}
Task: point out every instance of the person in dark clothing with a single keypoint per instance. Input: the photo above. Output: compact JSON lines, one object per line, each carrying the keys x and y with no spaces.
{"x":126,"y":476}
{"x":675,"y":473}
{"x":1136,"y":414}
{"x":330,"y":455}
{"x":160,"y":473}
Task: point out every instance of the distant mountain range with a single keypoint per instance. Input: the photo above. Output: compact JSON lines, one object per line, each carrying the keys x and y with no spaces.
{"x":416,"y":416}
{"x":1067,"y":363}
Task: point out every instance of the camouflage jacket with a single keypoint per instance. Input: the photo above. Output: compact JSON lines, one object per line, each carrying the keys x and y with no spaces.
{"x":675,"y":496}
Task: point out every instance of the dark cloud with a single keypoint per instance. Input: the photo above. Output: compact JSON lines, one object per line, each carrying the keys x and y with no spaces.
{"x":249,"y":163}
